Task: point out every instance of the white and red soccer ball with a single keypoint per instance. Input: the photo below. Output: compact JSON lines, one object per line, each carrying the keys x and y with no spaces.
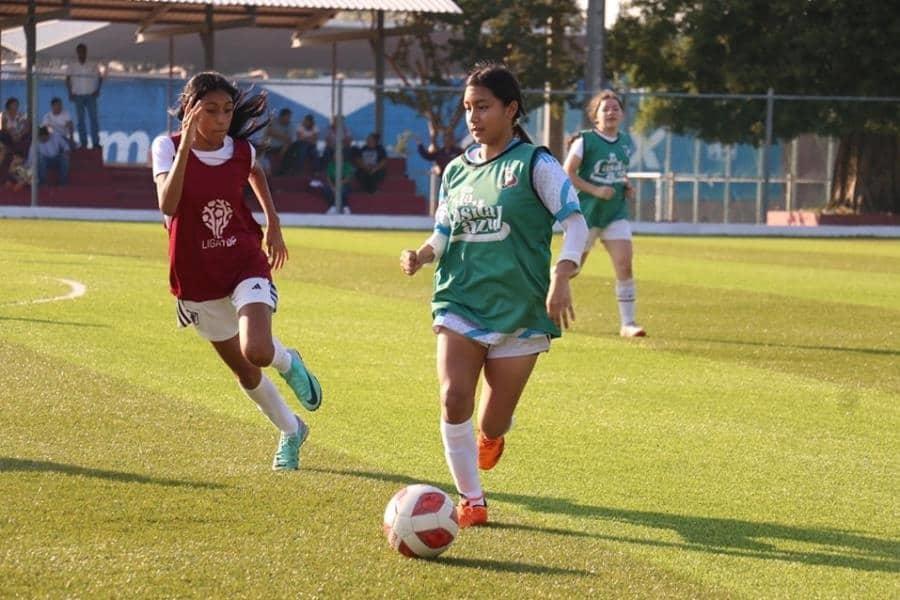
{"x":420,"y":521}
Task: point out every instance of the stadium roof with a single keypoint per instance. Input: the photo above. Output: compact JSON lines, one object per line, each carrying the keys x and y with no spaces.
{"x":286,"y":14}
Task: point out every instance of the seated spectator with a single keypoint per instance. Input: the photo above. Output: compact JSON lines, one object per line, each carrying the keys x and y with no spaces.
{"x":59,"y":122}
{"x":330,"y":142}
{"x":17,"y":176}
{"x":52,"y":153}
{"x":307,"y":144}
{"x":15,"y":129}
{"x":328,"y":186}
{"x":372,"y":164}
{"x":442,"y":156}
{"x":278,"y":140}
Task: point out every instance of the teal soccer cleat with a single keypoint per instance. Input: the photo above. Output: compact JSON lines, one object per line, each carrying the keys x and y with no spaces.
{"x":303,"y":383}
{"x":287,"y":456}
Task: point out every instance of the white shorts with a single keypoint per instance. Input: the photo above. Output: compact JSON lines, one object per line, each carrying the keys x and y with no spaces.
{"x":217,"y":320}
{"x":617,"y":230}
{"x":522,"y":342}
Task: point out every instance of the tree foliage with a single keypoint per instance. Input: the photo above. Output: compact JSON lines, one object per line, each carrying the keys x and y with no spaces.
{"x":795,"y":47}
{"x":514,"y":32}
{"x":807,"y":47}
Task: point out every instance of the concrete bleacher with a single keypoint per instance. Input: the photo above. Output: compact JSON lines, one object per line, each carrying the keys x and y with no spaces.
{"x":95,"y":185}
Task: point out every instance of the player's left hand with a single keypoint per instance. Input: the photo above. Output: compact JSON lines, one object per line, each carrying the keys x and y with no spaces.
{"x":559,"y":301}
{"x":276,"y":250}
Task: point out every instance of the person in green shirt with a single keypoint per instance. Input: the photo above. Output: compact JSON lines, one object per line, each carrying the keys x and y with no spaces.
{"x":327,"y":187}
{"x":597,"y":163}
{"x":498,"y":299}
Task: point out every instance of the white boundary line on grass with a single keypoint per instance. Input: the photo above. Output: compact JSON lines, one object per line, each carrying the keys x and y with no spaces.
{"x":423,"y":223}
{"x":76,"y":290}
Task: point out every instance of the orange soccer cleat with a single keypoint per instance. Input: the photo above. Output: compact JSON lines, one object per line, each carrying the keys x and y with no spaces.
{"x":470,"y":515}
{"x":489,"y":451}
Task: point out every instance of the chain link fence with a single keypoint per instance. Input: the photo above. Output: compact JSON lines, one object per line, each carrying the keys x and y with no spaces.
{"x":679,"y":176}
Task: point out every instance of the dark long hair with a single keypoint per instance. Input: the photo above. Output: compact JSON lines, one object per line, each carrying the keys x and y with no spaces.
{"x":504,"y":85}
{"x":250,"y":111}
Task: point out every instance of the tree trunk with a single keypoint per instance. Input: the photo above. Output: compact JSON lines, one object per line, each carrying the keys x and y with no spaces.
{"x":866,"y":175}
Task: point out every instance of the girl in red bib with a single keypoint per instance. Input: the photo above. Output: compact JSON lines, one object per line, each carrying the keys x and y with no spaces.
{"x":218,"y":268}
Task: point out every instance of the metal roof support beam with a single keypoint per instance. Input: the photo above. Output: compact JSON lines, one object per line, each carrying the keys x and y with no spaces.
{"x":301,"y":40}
{"x":208,"y":38}
{"x":155,"y":14}
{"x":378,"y":47}
{"x":167,"y":32}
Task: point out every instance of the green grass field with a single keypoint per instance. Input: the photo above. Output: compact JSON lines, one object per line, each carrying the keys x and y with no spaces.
{"x":750,"y":447}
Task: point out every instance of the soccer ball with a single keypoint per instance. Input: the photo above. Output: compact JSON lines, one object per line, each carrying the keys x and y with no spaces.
{"x":420,"y":521}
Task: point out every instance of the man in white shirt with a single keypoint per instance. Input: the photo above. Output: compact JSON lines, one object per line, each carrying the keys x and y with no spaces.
{"x":59,"y":122}
{"x":84,"y":80}
{"x":52,"y":153}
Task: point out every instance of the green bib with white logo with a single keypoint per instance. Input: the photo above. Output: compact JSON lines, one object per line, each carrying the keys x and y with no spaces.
{"x":495,"y":271}
{"x":604,"y":163}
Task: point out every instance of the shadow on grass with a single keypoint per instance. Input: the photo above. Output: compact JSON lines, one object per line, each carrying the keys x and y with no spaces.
{"x":53,"y":322}
{"x":38,"y":466}
{"x":875,"y":351}
{"x":732,"y":537}
{"x":502,"y":566}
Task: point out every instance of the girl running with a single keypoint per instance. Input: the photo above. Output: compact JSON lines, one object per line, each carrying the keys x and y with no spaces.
{"x":495,"y":305}
{"x":597,"y":164}
{"x":218,"y":270}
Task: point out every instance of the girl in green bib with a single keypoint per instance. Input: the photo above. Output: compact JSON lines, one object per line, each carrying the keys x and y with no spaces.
{"x":597,"y":163}
{"x":496,"y":304}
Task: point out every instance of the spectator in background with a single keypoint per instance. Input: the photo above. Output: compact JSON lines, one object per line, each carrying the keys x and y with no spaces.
{"x":278,"y":140}
{"x":442,"y":156}
{"x":372,"y":163}
{"x":15,"y":129}
{"x":84,"y":78}
{"x":307,"y":141}
{"x":349,"y":153}
{"x":59,"y":122}
{"x":52,"y":153}
{"x":329,"y":185}
{"x":18,"y":175}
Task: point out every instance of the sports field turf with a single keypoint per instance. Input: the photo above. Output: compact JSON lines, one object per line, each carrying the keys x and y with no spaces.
{"x":750,"y":447}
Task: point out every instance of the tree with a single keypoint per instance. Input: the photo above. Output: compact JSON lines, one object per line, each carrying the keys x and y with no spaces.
{"x":810,"y":47}
{"x":515,"y":32}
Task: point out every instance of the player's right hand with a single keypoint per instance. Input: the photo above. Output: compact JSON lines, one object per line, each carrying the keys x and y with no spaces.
{"x":190,"y":121}
{"x":409,"y":262}
{"x":605,"y":192}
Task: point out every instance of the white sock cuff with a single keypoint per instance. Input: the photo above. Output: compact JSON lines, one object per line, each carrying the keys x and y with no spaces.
{"x":281,"y":358}
{"x":456,"y":430}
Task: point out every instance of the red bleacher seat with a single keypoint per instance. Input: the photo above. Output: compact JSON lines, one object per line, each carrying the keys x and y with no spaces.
{"x":95,"y":185}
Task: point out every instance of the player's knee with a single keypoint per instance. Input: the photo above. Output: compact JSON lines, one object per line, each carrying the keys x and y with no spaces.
{"x":259,"y":354}
{"x":623,"y":269}
{"x":454,"y":398}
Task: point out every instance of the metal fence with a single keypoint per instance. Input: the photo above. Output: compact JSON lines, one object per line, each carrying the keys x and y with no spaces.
{"x":679,"y":176}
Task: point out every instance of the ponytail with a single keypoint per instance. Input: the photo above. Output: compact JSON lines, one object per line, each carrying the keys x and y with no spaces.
{"x":520,"y":132}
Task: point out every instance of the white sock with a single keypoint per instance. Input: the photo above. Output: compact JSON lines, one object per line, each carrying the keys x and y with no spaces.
{"x":282,"y":358}
{"x":272,"y":405}
{"x":462,"y":458}
{"x":625,"y":294}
